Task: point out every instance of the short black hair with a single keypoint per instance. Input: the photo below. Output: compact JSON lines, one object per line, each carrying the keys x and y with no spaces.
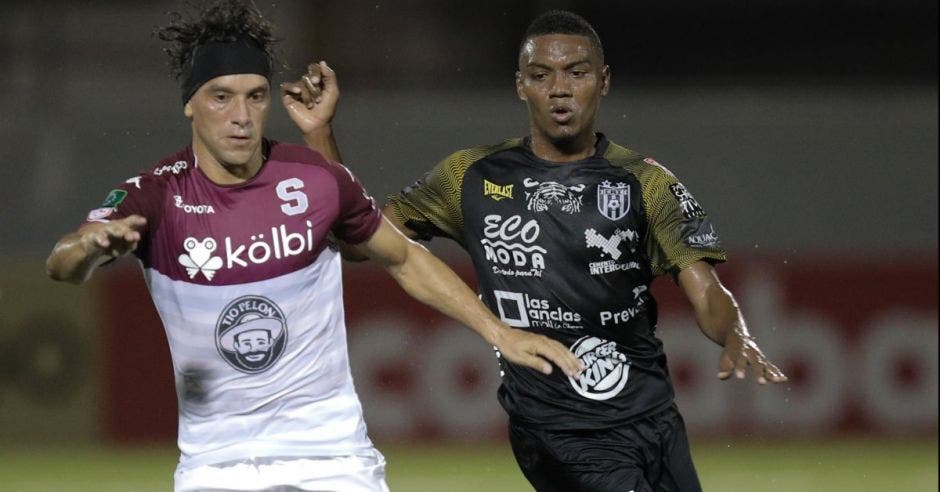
{"x":220,"y":20}
{"x":562,"y":22}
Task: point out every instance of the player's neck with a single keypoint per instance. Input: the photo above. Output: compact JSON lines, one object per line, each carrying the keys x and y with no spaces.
{"x":577,"y":149}
{"x":224,"y":173}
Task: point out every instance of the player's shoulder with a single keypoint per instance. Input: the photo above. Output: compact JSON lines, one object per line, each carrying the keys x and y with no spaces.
{"x":464,"y":158}
{"x":645,"y":168}
{"x":294,"y":153}
{"x":175,"y":166}
{"x":284,"y":153}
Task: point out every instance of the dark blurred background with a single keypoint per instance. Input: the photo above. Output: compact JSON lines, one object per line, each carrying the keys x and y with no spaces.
{"x":807,"y":129}
{"x":834,"y":102}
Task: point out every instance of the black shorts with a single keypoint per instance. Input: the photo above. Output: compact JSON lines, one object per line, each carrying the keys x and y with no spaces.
{"x":649,"y":454}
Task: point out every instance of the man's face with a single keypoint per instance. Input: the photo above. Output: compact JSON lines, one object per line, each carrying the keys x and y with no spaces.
{"x":253,"y":347}
{"x":228,"y":114}
{"x":561,"y":78}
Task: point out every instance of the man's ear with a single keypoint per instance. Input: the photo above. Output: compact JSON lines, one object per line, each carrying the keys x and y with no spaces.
{"x":605,"y":77}
{"x":519,"y":91}
{"x":188,"y":110}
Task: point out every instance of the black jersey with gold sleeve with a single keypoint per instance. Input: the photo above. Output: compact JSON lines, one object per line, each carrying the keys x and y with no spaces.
{"x":569,"y":250}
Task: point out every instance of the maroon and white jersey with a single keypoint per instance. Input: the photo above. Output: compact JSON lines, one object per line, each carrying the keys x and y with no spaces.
{"x":250,"y":295}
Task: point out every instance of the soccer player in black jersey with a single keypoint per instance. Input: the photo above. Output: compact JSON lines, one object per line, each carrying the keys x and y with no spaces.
{"x":566,"y":231}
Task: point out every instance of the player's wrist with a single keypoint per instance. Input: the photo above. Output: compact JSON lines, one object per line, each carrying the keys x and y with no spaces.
{"x":496,"y":333}
{"x":88,"y":243}
{"x":319,"y":137}
{"x":738,"y":336}
{"x":319,"y":130}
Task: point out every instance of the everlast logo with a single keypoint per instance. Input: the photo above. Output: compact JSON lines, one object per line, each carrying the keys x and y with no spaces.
{"x":495,"y":191}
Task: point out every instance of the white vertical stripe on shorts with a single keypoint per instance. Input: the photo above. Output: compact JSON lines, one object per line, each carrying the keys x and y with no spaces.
{"x":360,"y":473}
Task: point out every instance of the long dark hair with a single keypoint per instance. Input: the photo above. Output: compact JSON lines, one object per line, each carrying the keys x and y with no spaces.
{"x":220,"y":20}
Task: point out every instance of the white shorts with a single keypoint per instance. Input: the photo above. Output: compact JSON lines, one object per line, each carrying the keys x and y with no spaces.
{"x":360,"y":473}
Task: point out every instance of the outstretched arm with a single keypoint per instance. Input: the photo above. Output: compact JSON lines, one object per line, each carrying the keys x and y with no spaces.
{"x":720,"y":319}
{"x":77,"y":254}
{"x":430,"y":281}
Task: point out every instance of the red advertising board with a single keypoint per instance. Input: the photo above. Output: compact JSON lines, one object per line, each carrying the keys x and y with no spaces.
{"x":857,"y":337}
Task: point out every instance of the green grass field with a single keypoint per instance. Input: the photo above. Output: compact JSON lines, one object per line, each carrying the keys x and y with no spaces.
{"x":829,"y":466}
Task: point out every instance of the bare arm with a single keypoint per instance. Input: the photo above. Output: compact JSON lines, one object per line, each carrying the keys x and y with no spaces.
{"x":720,"y":319}
{"x":430,"y":281}
{"x":76,"y":255}
{"x":357,"y":255}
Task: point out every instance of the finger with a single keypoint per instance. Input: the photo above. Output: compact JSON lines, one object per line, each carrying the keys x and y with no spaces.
{"x":313,"y":85}
{"x":135,"y":221}
{"x":561,"y":357}
{"x":775,"y":374}
{"x":758,"y":369}
{"x":290,"y":100}
{"x":102,"y":241}
{"x":539,"y":364}
{"x":740,"y":365}
{"x":313,"y":74}
{"x":131,"y":236}
{"x":313,"y":82}
{"x":291,"y":88}
{"x":758,"y":364}
{"x":328,"y":75}
{"x":725,"y":366}
{"x":293,"y":92}
{"x":308,"y":92}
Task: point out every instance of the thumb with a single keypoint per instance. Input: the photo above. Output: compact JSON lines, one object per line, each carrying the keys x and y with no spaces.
{"x":295,"y":107}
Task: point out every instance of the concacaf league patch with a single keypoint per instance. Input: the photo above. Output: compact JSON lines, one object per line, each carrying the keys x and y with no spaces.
{"x":114,"y":198}
{"x":251,"y":334}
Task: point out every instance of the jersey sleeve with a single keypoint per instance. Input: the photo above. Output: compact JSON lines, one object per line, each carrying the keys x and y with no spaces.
{"x":358,"y":218}
{"x":431,"y":206}
{"x":141,"y":195}
{"x":680,"y":232}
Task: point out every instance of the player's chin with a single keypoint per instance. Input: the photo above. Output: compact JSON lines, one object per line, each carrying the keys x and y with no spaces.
{"x":240,"y":155}
{"x":563,"y":136}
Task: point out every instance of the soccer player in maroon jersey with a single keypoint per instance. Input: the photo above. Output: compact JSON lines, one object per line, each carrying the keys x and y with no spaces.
{"x":566,"y":231}
{"x":232,"y":232}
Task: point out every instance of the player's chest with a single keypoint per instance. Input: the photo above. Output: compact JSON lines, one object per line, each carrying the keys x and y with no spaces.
{"x":211,"y":235}
{"x":521,"y":220}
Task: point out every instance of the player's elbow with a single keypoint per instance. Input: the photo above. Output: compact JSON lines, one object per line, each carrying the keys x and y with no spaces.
{"x":352,"y":255}
{"x":54,"y":272}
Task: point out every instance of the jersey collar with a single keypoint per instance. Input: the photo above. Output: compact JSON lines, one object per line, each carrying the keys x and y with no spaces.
{"x":600,"y":148}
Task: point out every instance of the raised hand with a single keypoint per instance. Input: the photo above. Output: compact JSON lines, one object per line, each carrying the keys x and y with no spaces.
{"x":742,"y":351}
{"x":537,"y":352}
{"x":311,"y":101}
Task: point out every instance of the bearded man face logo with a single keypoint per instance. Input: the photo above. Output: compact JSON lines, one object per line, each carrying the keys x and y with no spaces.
{"x":251,"y":334}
